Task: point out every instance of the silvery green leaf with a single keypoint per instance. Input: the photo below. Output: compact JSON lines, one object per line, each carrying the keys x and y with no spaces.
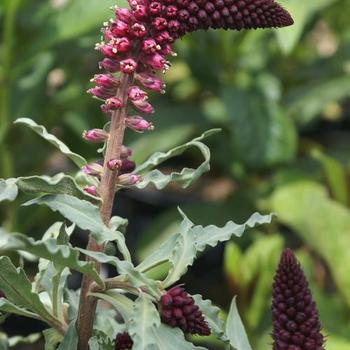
{"x":120,"y":302}
{"x":52,"y":338}
{"x":143,"y":324}
{"x":4,"y":344}
{"x":85,"y":215}
{"x":8,"y":190}
{"x":136,"y":278}
{"x":183,"y":178}
{"x":48,"y":249}
{"x":211,"y":314}
{"x":181,"y":249}
{"x":41,"y":131}
{"x":18,"y":290}
{"x":58,"y":184}
{"x":235,"y":331}
{"x":70,"y":339}
{"x":173,"y":339}
{"x":29,"y":339}
{"x":8,"y":307}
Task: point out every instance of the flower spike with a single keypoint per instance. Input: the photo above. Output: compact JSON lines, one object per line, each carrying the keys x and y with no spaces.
{"x":296,"y":324}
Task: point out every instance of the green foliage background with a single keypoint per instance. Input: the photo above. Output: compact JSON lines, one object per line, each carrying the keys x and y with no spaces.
{"x":281,"y":99}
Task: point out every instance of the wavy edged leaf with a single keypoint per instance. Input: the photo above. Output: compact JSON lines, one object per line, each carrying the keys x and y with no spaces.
{"x":235,"y":331}
{"x":135,"y":277}
{"x":48,"y":249}
{"x":70,"y":340}
{"x":181,"y":249}
{"x":18,"y":290}
{"x":8,"y":190}
{"x":41,"y":131}
{"x":8,"y":307}
{"x":143,"y":323}
{"x":211,"y":314}
{"x":184,"y":178}
{"x":85,"y":215}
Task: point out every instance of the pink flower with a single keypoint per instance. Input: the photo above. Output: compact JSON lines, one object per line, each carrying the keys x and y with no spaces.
{"x":119,"y":28}
{"x":143,"y":106}
{"x":95,"y":135}
{"x":94,"y":169}
{"x":106,"y":80}
{"x":128,"y":66}
{"x":150,"y":81}
{"x":149,"y":46}
{"x":114,"y":164}
{"x":138,"y":124}
{"x":109,"y":65}
{"x":91,"y":190}
{"x":101,"y":92}
{"x":123,"y":14}
{"x":156,"y":61}
{"x":136,"y":94}
{"x":139,"y":30}
{"x":111,"y":104}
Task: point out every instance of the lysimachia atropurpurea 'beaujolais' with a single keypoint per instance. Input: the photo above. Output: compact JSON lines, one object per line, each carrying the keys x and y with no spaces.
{"x":296,"y":325}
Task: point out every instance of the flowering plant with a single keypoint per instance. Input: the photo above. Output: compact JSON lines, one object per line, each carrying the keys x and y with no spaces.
{"x":143,"y":313}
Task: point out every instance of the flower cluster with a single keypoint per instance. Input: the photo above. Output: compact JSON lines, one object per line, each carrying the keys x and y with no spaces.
{"x":177,"y":309}
{"x":296,"y":325}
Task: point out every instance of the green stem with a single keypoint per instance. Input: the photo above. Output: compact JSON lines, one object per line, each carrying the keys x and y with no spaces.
{"x":6,"y":163}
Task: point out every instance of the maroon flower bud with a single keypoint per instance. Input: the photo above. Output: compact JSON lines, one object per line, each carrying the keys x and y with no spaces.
{"x":128,"y":66}
{"x":123,"y":341}
{"x":177,"y":309}
{"x":140,"y":12}
{"x":109,"y":65}
{"x":119,"y":28}
{"x":95,"y":135}
{"x":149,"y":46}
{"x":143,"y":106}
{"x":123,"y":14}
{"x":91,"y":190}
{"x":114,"y":164}
{"x":139,"y":30}
{"x":122,"y":44}
{"x":159,"y":23}
{"x":136,"y":94}
{"x":127,"y":166}
{"x":138,"y":124}
{"x":107,"y":81}
{"x":156,"y":61}
{"x":113,"y":103}
{"x":101,"y":92}
{"x":108,"y":50}
{"x":295,"y":318}
{"x":150,"y":81}
{"x":155,"y":8}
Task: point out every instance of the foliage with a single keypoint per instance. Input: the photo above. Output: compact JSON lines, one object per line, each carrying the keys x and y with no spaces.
{"x":284,"y":148}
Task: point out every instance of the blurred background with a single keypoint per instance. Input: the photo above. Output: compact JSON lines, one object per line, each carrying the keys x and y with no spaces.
{"x":282,"y":101}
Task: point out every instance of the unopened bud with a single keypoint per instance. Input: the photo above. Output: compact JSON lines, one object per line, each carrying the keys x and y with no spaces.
{"x":128,"y":179}
{"x":114,"y":164}
{"x":128,"y":66}
{"x":139,"y":124}
{"x":94,"y":169}
{"x":95,"y":135}
{"x":125,"y":152}
{"x":91,"y":190}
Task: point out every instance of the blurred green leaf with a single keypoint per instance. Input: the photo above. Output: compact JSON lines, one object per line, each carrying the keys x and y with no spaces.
{"x":8,"y":189}
{"x":321,"y":222}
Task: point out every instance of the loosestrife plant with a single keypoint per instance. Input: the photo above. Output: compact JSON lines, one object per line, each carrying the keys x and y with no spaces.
{"x":142,"y":313}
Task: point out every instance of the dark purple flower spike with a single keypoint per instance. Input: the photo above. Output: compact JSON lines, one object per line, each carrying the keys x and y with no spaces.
{"x":177,"y":309}
{"x":175,"y":18}
{"x":296,"y":324}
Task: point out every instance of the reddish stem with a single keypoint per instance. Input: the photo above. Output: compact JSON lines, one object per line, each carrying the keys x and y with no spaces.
{"x":87,"y":305}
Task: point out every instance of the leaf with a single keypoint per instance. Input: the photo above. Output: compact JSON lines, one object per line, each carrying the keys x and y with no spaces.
{"x":70,"y":340}
{"x":255,"y":117}
{"x":58,"y":184}
{"x":8,"y":190}
{"x":181,"y":249}
{"x":48,"y":249}
{"x":18,"y":290}
{"x":29,"y":339}
{"x":52,"y":338}
{"x":85,"y":215}
{"x":173,"y":339}
{"x":143,"y":323}
{"x":184,"y":178}
{"x":321,"y":222}
{"x":211,"y":314}
{"x":301,"y":12}
{"x":135,"y":277}
{"x":8,"y":307}
{"x":41,"y":131}
{"x":335,"y":174}
{"x":235,"y":329}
